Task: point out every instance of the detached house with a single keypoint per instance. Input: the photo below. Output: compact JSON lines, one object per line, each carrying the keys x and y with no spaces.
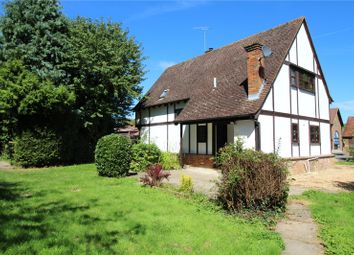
{"x":268,"y":89}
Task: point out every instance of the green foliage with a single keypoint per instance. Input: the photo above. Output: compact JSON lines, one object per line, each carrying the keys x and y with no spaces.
{"x":334,"y":213}
{"x":24,"y":96}
{"x":70,"y":210}
{"x":143,"y":156}
{"x":38,"y":147}
{"x":186,"y":184}
{"x":105,"y":70}
{"x":251,"y":179}
{"x":170,"y":161}
{"x":113,"y":155}
{"x":53,"y":67}
{"x":36,"y":32}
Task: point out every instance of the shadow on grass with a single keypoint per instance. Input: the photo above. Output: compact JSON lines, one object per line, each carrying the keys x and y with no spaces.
{"x":23,"y":220}
{"x":346,"y":185}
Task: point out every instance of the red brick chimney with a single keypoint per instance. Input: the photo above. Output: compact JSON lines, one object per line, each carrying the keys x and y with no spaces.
{"x":255,"y":70}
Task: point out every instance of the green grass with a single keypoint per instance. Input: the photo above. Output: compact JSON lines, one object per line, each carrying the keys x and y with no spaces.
{"x":335,"y":214}
{"x":70,"y":210}
{"x":347,"y":163}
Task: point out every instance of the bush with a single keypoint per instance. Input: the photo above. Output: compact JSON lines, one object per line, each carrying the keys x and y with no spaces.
{"x":170,"y":161}
{"x":144,"y":155}
{"x":113,"y":155}
{"x":186,"y":184}
{"x":251,"y":179}
{"x":38,"y":147}
{"x":154,"y":176}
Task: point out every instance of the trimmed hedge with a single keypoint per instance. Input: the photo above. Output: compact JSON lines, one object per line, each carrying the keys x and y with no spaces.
{"x":143,"y":156}
{"x":113,"y":155}
{"x":251,"y":179}
{"x":37,"y":148}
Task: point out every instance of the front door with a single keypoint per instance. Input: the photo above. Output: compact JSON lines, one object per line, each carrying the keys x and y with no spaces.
{"x":221,"y":135}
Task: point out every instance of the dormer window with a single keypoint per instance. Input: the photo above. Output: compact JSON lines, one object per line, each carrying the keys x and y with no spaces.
{"x":164,"y":93}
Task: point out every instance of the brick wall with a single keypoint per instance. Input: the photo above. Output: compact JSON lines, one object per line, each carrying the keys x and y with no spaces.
{"x":336,"y":126}
{"x":198,"y":160}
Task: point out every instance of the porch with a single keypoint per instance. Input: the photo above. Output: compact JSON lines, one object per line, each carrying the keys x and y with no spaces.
{"x":200,"y":142}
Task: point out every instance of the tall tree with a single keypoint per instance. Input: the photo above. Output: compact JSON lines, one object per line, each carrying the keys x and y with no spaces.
{"x":36,"y":32}
{"x":105,"y":69}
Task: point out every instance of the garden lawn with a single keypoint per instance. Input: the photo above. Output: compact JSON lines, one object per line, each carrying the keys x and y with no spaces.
{"x":346,"y":163}
{"x":71,"y":210}
{"x":335,"y":214}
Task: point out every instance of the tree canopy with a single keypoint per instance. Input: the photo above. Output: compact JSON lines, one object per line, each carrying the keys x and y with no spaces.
{"x":82,"y":70}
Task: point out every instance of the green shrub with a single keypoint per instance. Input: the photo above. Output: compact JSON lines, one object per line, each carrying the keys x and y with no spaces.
{"x":36,"y":148}
{"x":170,"y":161}
{"x":113,"y":155}
{"x":186,"y":184}
{"x":143,"y":156}
{"x":251,"y":179}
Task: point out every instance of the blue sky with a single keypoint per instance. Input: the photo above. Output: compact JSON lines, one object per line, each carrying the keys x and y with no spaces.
{"x":166,"y":30}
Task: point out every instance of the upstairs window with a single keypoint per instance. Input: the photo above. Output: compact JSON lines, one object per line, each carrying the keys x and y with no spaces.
{"x":302,"y":79}
{"x":295,"y":133}
{"x":202,"y":134}
{"x":315,"y":134}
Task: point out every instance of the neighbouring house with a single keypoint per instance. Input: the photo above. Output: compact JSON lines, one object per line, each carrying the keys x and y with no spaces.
{"x":348,"y":137}
{"x":336,"y":122}
{"x":128,"y":131}
{"x":267,"y":89}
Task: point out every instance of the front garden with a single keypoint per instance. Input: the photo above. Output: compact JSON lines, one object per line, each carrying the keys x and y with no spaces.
{"x":71,"y":210}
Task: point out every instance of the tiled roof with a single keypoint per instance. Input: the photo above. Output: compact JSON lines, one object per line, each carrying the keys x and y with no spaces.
{"x":349,"y":128}
{"x":193,"y":79}
{"x":333,"y":112}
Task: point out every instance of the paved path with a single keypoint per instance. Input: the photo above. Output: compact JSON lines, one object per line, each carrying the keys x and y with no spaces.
{"x":203,"y":179}
{"x":299,"y":231}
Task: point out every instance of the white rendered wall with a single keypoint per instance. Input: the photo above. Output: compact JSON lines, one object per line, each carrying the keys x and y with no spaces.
{"x":325,"y":139}
{"x":282,"y":136}
{"x":158,"y":136}
{"x":266,"y":133}
{"x":304,"y":138}
{"x":230,"y":133}
{"x":174,"y":138}
{"x":306,"y":104}
{"x":281,"y":91}
{"x":294,"y":101}
{"x":245,"y":130}
{"x":268,"y":104}
{"x":323,"y":100}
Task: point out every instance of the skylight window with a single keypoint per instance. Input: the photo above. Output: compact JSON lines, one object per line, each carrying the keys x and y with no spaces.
{"x":164,"y":93}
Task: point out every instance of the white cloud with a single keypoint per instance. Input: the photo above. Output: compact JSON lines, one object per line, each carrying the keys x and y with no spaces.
{"x":345,"y":105}
{"x":166,"y":64}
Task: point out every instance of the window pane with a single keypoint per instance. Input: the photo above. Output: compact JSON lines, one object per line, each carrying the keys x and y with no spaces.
{"x":315,"y":134}
{"x":202,"y":134}
{"x":295,"y":133}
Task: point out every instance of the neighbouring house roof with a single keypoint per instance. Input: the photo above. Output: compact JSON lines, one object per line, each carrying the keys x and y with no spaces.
{"x":193,"y":79}
{"x":130,"y":131}
{"x":333,"y":112}
{"x":349,"y":128}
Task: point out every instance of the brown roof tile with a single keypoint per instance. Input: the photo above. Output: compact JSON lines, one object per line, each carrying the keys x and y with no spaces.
{"x":333,"y":112}
{"x":193,"y":79}
{"x":349,"y":128}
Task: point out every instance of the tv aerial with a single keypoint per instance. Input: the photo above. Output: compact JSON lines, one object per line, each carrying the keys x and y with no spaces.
{"x":204,"y":29}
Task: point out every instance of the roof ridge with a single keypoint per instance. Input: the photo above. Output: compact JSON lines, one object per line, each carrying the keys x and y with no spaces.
{"x":301,"y":18}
